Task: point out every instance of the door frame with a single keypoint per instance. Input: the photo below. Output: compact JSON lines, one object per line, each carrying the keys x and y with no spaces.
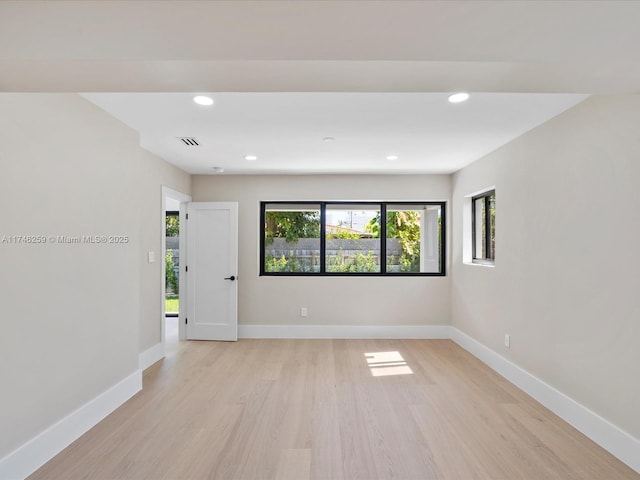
{"x":182,"y":198}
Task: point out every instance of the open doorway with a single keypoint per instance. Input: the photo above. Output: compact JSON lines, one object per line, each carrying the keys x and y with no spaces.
{"x":173,"y":280}
{"x":172,"y":271}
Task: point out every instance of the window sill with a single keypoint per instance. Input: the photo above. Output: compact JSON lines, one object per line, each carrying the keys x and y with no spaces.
{"x":481,"y":263}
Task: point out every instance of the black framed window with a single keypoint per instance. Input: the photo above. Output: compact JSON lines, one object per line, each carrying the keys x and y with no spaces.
{"x":483,"y":230}
{"x":352,"y":238}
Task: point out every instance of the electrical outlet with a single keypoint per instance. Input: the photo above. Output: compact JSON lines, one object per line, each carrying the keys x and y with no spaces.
{"x":303,"y":312}
{"x":507,"y":340}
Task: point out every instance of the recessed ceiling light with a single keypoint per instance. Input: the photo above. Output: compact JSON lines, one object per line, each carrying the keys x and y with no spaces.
{"x":328,"y":139}
{"x":458,"y":97}
{"x":202,"y":100}
{"x":392,"y":157}
{"x":218,"y":169}
{"x":251,"y":158}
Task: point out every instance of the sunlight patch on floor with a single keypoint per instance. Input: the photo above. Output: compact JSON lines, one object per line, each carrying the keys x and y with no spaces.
{"x":383,"y":364}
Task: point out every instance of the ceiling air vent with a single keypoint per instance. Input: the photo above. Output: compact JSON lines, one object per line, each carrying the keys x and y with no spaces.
{"x":189,"y":141}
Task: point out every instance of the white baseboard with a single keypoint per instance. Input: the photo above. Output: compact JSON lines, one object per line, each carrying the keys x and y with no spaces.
{"x":616,"y":441}
{"x":42,"y":448}
{"x":150,"y":356}
{"x":344,"y":331}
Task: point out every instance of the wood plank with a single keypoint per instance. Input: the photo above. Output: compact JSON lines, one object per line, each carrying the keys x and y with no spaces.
{"x":294,"y":464}
{"x":330,"y":410}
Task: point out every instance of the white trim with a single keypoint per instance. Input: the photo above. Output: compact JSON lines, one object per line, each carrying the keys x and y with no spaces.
{"x":150,"y":356}
{"x":36,"y":452}
{"x":610,"y":437}
{"x":182,"y":277}
{"x":477,"y":264}
{"x":480,"y":192}
{"x":174,"y":194}
{"x":344,"y":331}
{"x":467,"y":235}
{"x":182,"y":280}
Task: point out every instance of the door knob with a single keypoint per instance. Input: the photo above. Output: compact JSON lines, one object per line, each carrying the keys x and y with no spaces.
{"x":232,"y":278}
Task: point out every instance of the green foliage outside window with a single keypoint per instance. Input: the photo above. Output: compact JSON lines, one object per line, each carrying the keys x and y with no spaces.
{"x":404,"y":225}
{"x":291,"y":225}
{"x":286,"y":264}
{"x":171,"y":279}
{"x":172,"y":226}
{"x":359,"y":263}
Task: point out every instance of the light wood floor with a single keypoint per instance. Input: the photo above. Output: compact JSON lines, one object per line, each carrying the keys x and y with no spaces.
{"x":330,"y":409}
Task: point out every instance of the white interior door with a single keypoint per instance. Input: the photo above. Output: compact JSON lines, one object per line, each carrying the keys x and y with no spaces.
{"x":212,"y":271}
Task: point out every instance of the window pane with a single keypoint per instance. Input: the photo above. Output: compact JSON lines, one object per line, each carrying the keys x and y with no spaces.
{"x":492,"y":220}
{"x":484,"y":227}
{"x":292,"y":238}
{"x":413,"y":238}
{"x":352,"y":238}
{"x":479,"y":222}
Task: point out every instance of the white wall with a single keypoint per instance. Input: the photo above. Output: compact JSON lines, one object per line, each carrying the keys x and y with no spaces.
{"x":566,"y":278}
{"x":157,"y":172}
{"x":330,"y":300}
{"x":71,"y":314}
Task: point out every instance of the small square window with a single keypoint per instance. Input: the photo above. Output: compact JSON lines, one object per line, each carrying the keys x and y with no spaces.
{"x":483,"y":219}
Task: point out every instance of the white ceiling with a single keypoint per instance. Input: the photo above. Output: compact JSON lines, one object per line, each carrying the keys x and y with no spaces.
{"x":372,"y":74}
{"x":286,"y":131}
